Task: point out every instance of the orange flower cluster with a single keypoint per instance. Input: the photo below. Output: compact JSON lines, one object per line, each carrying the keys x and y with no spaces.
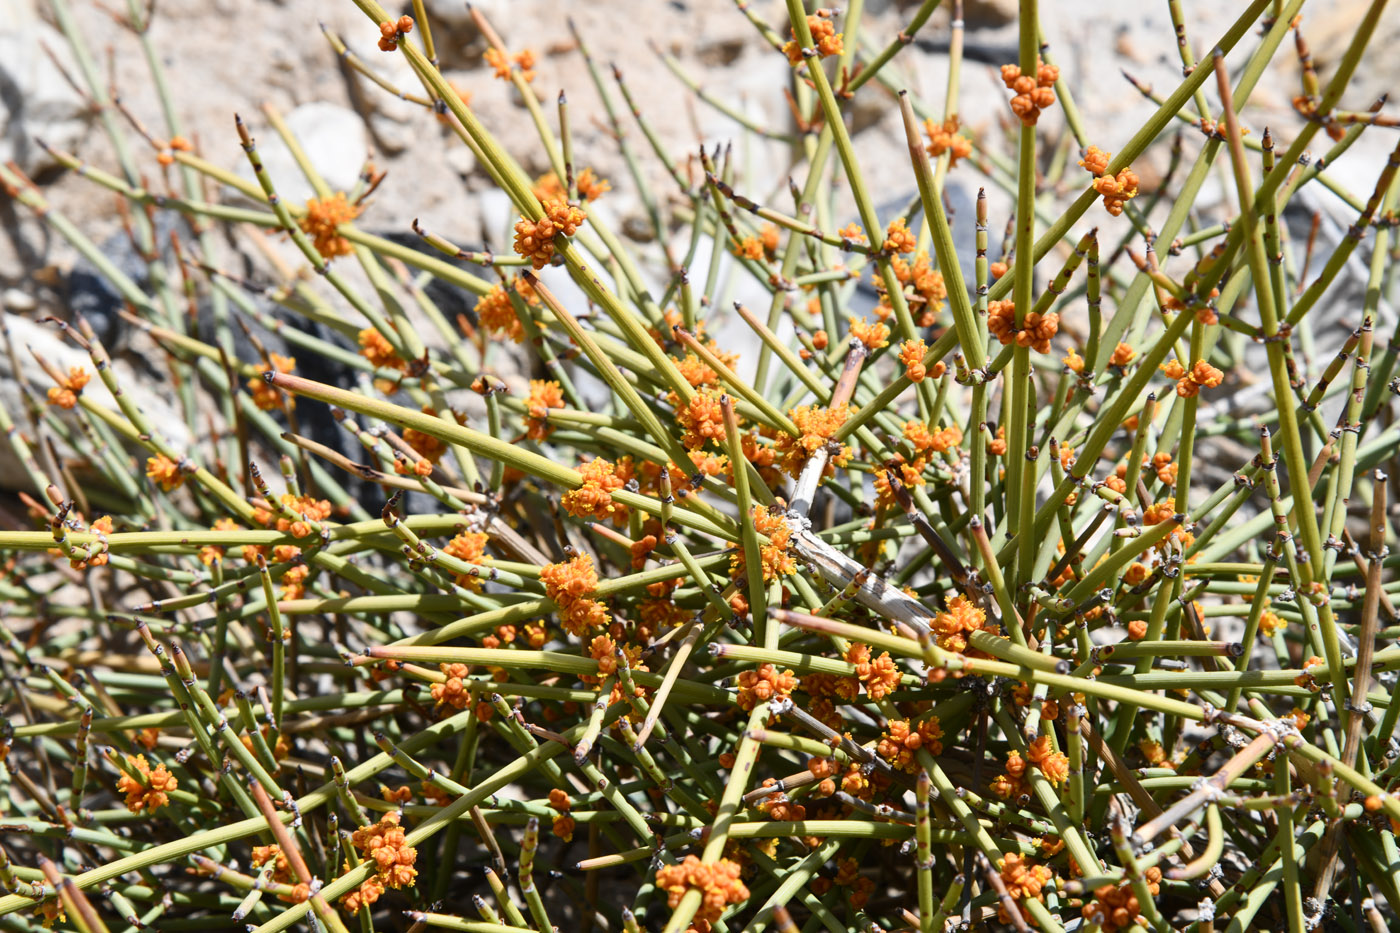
{"x":570,"y":584}
{"x":497,"y":314}
{"x":536,"y":635}
{"x":1022,"y":881}
{"x":1165,"y":469}
{"x":1159,"y":512}
{"x":825,"y":689}
{"x":874,"y":336}
{"x":1116,"y":907}
{"x":911,"y":354}
{"x":1035,"y":331}
{"x":899,"y":238}
{"x":1095,"y":161}
{"x":780,"y":808}
{"x":910,"y":474}
{"x":962,"y":618}
{"x":764,"y":684}
{"x":453,"y":691}
{"x":701,"y":419}
{"x":468,"y":547}
{"x":427,"y":446}
{"x":594,"y":498}
{"x":308,"y":510}
{"x":1269,"y":623}
{"x":1009,"y":784}
{"x":212,"y":552}
{"x":322,"y":223}
{"x":1054,"y":765}
{"x":534,"y":239}
{"x":817,"y":426}
{"x":563,"y":823}
{"x":763,"y":246}
{"x":102,"y":526}
{"x":719,"y":882}
{"x":401,"y":794}
{"x":658,"y":615}
{"x":925,"y":441}
{"x":900,"y":741}
{"x":997,"y":446}
{"x":707,"y":463}
{"x":1201,"y":376}
{"x":544,"y":395}
{"x":165,"y":471}
{"x":944,"y":138}
{"x":824,"y":770}
{"x":389,"y":33}
{"x":859,"y":887}
{"x":879,"y":676}
{"x":434,"y":794}
{"x":386,"y":845}
{"x":1135,"y":574}
{"x":1155,"y":754}
{"x":763,"y":457}
{"x":857,"y":783}
{"x":65,"y":394}
{"x":924,"y":288}
{"x":281,"y":872}
{"x":266,"y":397}
{"x":50,"y":912}
{"x":1203,"y":312}
{"x":1033,"y":94}
{"x":363,"y":896}
{"x":1073,"y":361}
{"x":1122,"y":356}
{"x":603,"y":650}
{"x":590,"y":187}
{"x":777,"y":561}
{"x":696,"y":371}
{"x":1307,"y":679}
{"x":1117,"y":190}
{"x":500,"y":63}
{"x":375,"y":348}
{"x":825,"y":38}
{"x":151,"y":791}
{"x":1118,"y":482}
{"x":852,"y":234}
{"x":504,"y":634}
{"x":177,"y":144}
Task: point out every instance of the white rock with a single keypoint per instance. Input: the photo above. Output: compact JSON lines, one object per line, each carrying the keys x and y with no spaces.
{"x":459,"y":158}
{"x":453,"y":15}
{"x":15,"y":299}
{"x":157,"y":401}
{"x":989,"y":13}
{"x":334,"y":140}
{"x":37,"y":100}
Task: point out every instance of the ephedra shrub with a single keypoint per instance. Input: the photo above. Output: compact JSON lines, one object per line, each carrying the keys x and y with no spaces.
{"x":1052,"y":593}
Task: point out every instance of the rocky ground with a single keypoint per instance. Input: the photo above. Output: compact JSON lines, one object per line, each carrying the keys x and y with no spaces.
{"x":231,"y":56}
